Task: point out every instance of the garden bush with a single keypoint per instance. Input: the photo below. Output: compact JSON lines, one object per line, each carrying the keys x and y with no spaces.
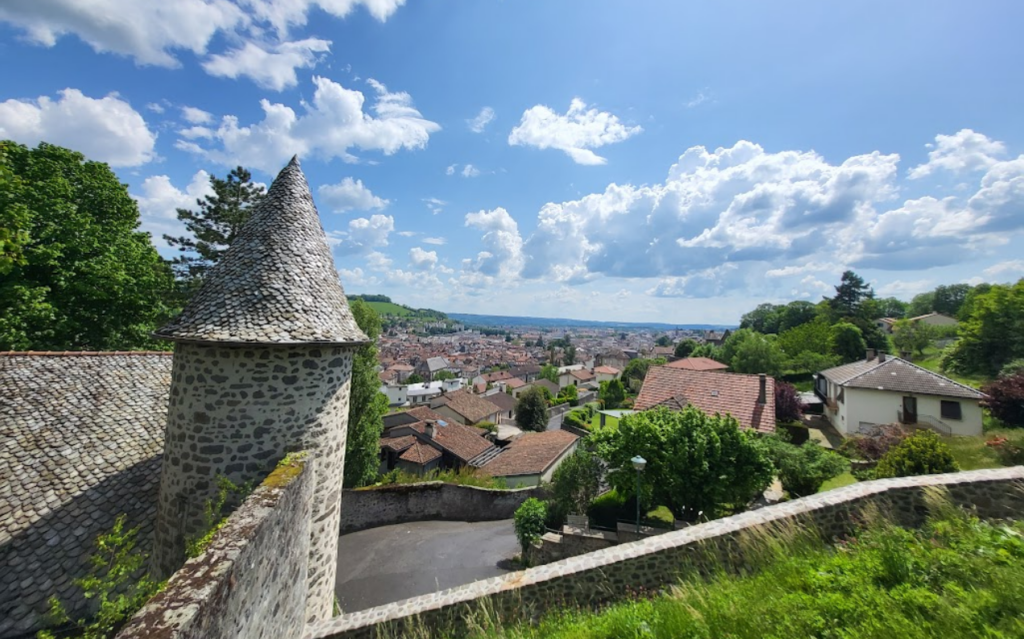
{"x":1005,"y":400}
{"x":529,"y":522}
{"x":923,"y":453}
{"x":803,"y":469}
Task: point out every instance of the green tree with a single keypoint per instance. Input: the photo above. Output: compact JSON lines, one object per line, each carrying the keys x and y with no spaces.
{"x":923,"y":453}
{"x":215,"y":225}
{"x":549,"y":372}
{"x":811,"y":337}
{"x":575,"y":483}
{"x":803,"y":469}
{"x":922,"y":304}
{"x":77,"y":274}
{"x":367,"y":404}
{"x":532,"y":411}
{"x":443,"y":375}
{"x":758,"y":354}
{"x":686,"y":347}
{"x":612,"y":393}
{"x":1004,"y":398}
{"x":569,"y":393}
{"x":993,"y":334}
{"x":763,"y":319}
{"x":949,"y":298}
{"x":636,"y":370}
{"x":912,"y":336}
{"x":414,"y":378}
{"x":697,"y":465}
{"x":796,"y":313}
{"x":850,"y":295}
{"x":529,"y":522}
{"x":892,"y":307}
{"x":664,"y":340}
{"x":847,"y":342}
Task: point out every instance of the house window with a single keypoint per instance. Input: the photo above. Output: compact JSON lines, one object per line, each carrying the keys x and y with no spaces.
{"x":951,"y":410}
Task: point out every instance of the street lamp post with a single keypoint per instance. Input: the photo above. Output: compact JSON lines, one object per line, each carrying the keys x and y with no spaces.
{"x":638,"y":463}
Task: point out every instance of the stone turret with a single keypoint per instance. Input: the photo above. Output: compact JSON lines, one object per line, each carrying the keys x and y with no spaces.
{"x":262,"y":366}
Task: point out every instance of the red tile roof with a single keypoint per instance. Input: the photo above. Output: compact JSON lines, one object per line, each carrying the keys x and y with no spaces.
{"x":697,"y":364}
{"x":514,"y":383}
{"x":606,"y":370}
{"x":470,"y":406}
{"x":530,"y":453}
{"x":711,"y":392}
{"x":397,"y":444}
{"x":420,"y":453}
{"x":465,"y":442}
{"x":582,"y":374}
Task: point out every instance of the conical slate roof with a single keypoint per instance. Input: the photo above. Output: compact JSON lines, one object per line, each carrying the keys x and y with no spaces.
{"x":276,"y":284}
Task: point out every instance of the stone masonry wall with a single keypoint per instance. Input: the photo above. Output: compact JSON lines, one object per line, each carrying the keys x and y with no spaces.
{"x":251,"y":580}
{"x":601,"y":577}
{"x":236,"y":411}
{"x":396,"y":504}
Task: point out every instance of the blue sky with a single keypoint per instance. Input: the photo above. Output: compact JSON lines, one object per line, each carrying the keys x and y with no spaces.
{"x":643,"y":161}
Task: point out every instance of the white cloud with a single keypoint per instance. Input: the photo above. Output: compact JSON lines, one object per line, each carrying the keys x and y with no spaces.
{"x":349,"y":195}
{"x":575,"y":133}
{"x":502,"y":256}
{"x":363,"y":235}
{"x":710,"y":282}
{"x":702,"y":96}
{"x":904,"y":289}
{"x":106,"y":129}
{"x":159,"y":201}
{"x":154,"y":32}
{"x":737,"y":204}
{"x":436,"y":241}
{"x":196,"y":132}
{"x":451,"y":169}
{"x":271,"y":66}
{"x":192,"y":115}
{"x":423,"y":260}
{"x":435,"y":205}
{"x":963,"y":151}
{"x":470,"y":171}
{"x":1009,"y":268}
{"x":408,"y":233}
{"x":334,"y":122}
{"x":480,"y":122}
{"x":155,"y":107}
{"x":356,"y":277}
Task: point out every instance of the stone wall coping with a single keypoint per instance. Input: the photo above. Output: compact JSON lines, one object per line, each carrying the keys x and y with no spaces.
{"x":436,"y":485}
{"x":627,"y":551}
{"x":195,"y":585}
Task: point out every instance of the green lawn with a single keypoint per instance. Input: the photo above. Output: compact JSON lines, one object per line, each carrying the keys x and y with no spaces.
{"x":838,"y":482}
{"x":595,"y":421}
{"x":389,"y":308}
{"x":931,"y":362}
{"x":972,"y":453}
{"x":958,"y":577}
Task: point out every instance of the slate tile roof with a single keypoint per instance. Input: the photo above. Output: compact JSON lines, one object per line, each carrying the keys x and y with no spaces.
{"x":548,"y":384}
{"x":81,"y":439}
{"x":898,"y":375}
{"x":465,"y":442}
{"x":698,"y":364}
{"x":472,"y":407}
{"x":398,"y":444}
{"x":711,"y":392}
{"x":530,"y":453}
{"x":276,"y":283}
{"x":503,"y":401}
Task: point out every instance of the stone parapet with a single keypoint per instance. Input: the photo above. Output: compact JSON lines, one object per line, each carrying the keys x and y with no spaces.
{"x":251,"y":580}
{"x":401,"y":503}
{"x":651,"y":564}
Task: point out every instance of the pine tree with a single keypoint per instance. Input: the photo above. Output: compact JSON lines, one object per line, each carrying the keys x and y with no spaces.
{"x":214,"y":226}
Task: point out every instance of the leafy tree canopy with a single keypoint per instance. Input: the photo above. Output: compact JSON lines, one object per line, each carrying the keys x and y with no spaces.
{"x":612,"y":393}
{"x":549,"y":372}
{"x":992,"y":334}
{"x":77,"y":274}
{"x":847,"y":342}
{"x":367,"y":404}
{"x":697,"y":465}
{"x":758,"y":354}
{"x":575,"y":483}
{"x":532,"y":411}
{"x":850,"y":295}
{"x":686,"y":347}
{"x":912,"y":336}
{"x":664,"y":340}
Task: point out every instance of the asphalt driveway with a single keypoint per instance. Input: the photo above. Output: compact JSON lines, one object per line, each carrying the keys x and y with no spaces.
{"x":391,"y":563}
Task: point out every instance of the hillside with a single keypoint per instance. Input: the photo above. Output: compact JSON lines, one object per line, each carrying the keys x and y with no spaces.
{"x":386,"y":308}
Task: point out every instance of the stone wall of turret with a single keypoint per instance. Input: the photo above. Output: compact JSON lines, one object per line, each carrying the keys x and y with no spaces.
{"x":236,"y":411}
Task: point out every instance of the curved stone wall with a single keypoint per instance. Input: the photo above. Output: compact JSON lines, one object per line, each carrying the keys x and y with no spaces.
{"x":397,"y":504}
{"x":236,"y":411}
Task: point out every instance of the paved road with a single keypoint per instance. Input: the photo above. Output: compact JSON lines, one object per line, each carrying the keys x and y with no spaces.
{"x":391,"y":563}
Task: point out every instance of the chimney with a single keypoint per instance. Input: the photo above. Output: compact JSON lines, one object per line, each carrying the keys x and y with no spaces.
{"x":762,"y":385}
{"x":881,"y":356}
{"x":430,"y":430}
{"x":870,"y":355}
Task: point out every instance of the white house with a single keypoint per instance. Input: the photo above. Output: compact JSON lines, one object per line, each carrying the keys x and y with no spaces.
{"x":420,"y":394}
{"x":882,"y":389}
{"x":398,"y":394}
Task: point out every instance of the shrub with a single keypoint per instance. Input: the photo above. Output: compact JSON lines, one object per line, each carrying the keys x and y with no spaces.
{"x":788,"y":407}
{"x":923,"y":453}
{"x":578,"y":417}
{"x":529,"y":522}
{"x":575,"y":483}
{"x":490,"y":427}
{"x":1005,"y":400}
{"x":803,"y":469}
{"x":532,"y":411}
{"x":605,"y":510}
{"x":1016,"y":367}
{"x":875,"y":444}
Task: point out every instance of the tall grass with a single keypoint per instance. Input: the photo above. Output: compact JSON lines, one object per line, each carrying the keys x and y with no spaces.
{"x":461,"y":477}
{"x":955,"y":577}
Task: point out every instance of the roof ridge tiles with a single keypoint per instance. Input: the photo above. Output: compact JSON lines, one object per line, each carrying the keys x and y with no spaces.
{"x":276,"y":283}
